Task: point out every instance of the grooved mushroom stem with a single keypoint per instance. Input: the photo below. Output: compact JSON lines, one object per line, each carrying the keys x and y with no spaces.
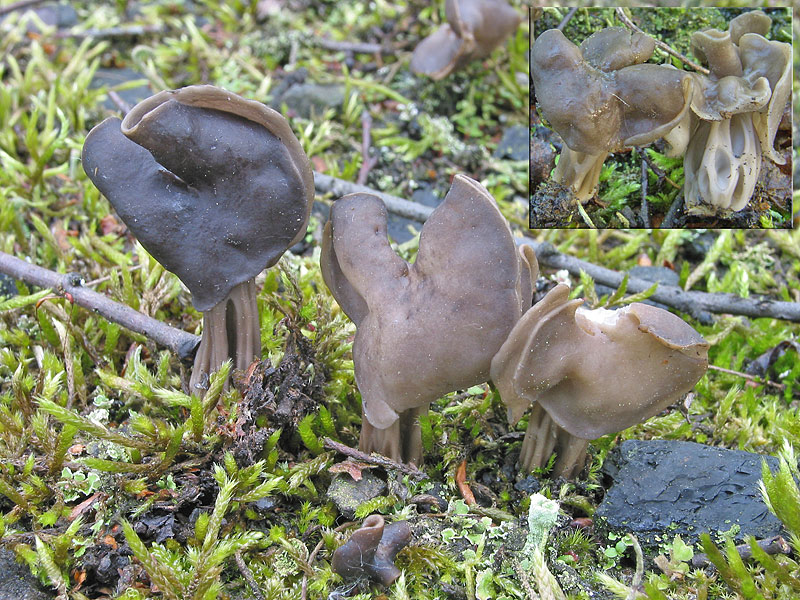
{"x":230,"y":329}
{"x":402,"y":438}
{"x":543,"y":438}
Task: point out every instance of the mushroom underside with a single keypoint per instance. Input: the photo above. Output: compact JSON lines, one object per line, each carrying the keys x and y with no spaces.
{"x":230,"y":329}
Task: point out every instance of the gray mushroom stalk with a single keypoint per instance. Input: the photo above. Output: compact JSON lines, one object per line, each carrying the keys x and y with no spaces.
{"x":427,"y":328}
{"x":216,"y":188}
{"x":588,"y":373}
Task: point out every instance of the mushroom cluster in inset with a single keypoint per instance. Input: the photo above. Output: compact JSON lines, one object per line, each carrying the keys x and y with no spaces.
{"x":587,"y":373}
{"x":216,"y":188}
{"x":427,"y":328}
{"x":474,"y":28}
{"x":737,"y":109}
{"x":600,"y":100}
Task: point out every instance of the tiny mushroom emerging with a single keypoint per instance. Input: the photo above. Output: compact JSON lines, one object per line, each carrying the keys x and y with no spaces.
{"x":216,"y":188}
{"x":474,"y":28}
{"x":371,"y":550}
{"x":600,"y":99}
{"x":738,"y":108}
{"x":588,"y":373}
{"x":427,"y":328}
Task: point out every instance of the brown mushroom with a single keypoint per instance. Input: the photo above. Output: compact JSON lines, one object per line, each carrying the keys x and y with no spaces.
{"x":739,"y":105}
{"x":600,"y":100}
{"x":588,"y":373}
{"x":427,"y":328}
{"x":474,"y":28}
{"x":216,"y":188}
{"x":371,"y":550}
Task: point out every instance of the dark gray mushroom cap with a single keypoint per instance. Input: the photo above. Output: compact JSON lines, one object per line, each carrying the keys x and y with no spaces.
{"x":371,"y":551}
{"x":431,"y":327}
{"x":214,"y":186}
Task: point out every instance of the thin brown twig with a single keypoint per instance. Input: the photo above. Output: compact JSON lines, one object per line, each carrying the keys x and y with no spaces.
{"x":367,"y":161}
{"x":121,"y":104}
{"x":772,"y":546}
{"x":124,"y":31}
{"x":70,"y":285}
{"x":749,"y":377}
{"x":248,"y":575}
{"x":567,"y":18}
{"x":312,"y":557}
{"x":4,"y":10}
{"x":660,"y":173}
{"x":357,"y":47}
{"x":374,"y":458}
{"x":687,"y":61}
{"x":645,"y":211}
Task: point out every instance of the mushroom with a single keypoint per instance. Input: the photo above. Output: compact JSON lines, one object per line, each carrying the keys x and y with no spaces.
{"x":427,"y":328}
{"x":371,"y":550}
{"x":216,"y":188}
{"x":474,"y":28}
{"x":588,"y":373}
{"x":600,"y":99}
{"x":739,"y":105}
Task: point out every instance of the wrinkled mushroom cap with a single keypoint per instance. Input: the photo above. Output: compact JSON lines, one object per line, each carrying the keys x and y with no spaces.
{"x":599,"y":371}
{"x":474,"y":28}
{"x":214,"y":186}
{"x":431,"y":327}
{"x":371,"y":551}
{"x":613,"y":48}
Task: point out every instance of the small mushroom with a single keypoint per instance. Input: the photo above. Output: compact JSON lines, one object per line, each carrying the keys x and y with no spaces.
{"x":216,"y":188}
{"x":427,"y":328}
{"x":371,"y":550}
{"x":588,"y":373}
{"x":474,"y":28}
{"x":600,"y":99}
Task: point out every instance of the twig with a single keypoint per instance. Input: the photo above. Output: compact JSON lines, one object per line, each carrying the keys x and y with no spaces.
{"x":672,"y":213}
{"x":4,"y":10}
{"x":697,"y":304}
{"x":660,"y":173}
{"x":639,"y":574}
{"x":248,"y":575}
{"x":399,"y":206}
{"x":125,"y":31}
{"x":374,"y":458}
{"x":121,"y":104}
{"x":645,"y":212}
{"x":772,"y":546}
{"x":357,"y":47}
{"x":567,"y":18}
{"x":687,"y":61}
{"x":461,"y":482}
{"x":749,"y":377}
{"x":71,"y":287}
{"x":367,"y":161}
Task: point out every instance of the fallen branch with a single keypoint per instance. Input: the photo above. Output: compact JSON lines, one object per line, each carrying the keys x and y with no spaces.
{"x":697,"y":304}
{"x":70,"y":286}
{"x":357,"y":47}
{"x":124,"y":31}
{"x":374,"y":459}
{"x":773,"y":545}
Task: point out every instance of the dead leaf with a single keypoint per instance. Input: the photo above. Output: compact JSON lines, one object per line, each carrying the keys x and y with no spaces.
{"x":351,"y":467}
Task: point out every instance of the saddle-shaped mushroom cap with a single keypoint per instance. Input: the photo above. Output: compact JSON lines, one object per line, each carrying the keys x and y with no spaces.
{"x":371,"y":550}
{"x":431,"y":327}
{"x":216,"y":188}
{"x":598,"y":371}
{"x":474,"y":28}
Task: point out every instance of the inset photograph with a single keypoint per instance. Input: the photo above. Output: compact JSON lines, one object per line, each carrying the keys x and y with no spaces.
{"x":661,"y":117}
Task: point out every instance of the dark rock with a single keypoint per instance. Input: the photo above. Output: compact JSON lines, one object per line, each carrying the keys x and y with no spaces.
{"x":699,"y":245}
{"x":348,"y":494}
{"x":113,"y":77}
{"x":529,"y":485}
{"x":8,"y":286}
{"x":665,"y":488}
{"x":661,"y":275}
{"x":60,"y":16}
{"x":542,"y":159}
{"x":307,"y":99}
{"x":17,"y":582}
{"x":398,"y":227}
{"x":513,"y":144}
